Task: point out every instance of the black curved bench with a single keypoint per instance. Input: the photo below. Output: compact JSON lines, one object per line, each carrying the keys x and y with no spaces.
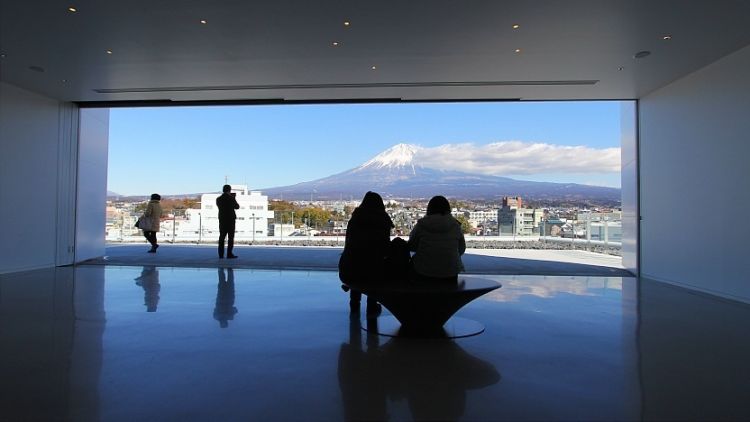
{"x":424,"y":308}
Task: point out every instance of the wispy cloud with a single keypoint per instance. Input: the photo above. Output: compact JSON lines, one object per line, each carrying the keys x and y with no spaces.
{"x":517,"y":157}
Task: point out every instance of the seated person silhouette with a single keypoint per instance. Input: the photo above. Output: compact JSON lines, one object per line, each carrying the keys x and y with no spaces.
{"x":369,"y":256}
{"x":438,"y":243}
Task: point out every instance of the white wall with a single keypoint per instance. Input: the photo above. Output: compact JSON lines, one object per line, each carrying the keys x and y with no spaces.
{"x":92,"y":183}
{"x":629,"y":177}
{"x":695,"y":161}
{"x":30,"y":133}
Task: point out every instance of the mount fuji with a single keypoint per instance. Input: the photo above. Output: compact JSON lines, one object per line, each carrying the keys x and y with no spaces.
{"x":395,"y":173}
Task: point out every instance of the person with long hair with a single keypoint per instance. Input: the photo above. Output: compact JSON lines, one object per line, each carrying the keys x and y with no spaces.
{"x":366,"y":249}
{"x":438,"y":243}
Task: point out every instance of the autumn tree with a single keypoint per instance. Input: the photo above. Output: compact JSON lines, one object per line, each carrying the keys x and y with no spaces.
{"x":278,"y":205}
{"x":316,"y":216}
{"x":179,"y":205}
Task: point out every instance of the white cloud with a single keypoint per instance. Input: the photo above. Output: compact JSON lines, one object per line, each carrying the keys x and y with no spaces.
{"x":517,"y":157}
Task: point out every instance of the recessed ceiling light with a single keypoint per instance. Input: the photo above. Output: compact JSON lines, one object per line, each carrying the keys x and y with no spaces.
{"x":347,"y":23}
{"x":203,"y":21}
{"x":620,"y":68}
{"x":64,"y":80}
{"x":374,"y":68}
{"x":3,"y":55}
{"x":72,"y":9}
{"x":642,"y":54}
{"x":517,"y":50}
{"x":516,"y":26}
{"x":666,"y":37}
{"x":109,"y":51}
{"x":335,"y":43}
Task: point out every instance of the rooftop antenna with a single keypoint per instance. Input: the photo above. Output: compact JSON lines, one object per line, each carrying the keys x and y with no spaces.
{"x":226,"y":180}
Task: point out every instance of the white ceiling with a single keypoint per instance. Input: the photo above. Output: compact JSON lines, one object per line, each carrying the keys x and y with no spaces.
{"x":423,"y":49}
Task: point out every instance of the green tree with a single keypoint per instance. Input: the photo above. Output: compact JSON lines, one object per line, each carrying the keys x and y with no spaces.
{"x":465,"y":225}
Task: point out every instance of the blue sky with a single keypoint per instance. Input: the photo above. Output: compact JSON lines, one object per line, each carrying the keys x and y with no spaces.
{"x":174,"y":150}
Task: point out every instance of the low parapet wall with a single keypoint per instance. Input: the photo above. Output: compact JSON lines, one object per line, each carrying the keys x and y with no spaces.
{"x":471,"y":242}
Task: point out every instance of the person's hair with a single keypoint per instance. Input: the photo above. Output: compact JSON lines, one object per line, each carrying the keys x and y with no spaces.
{"x":155,"y":197}
{"x":226,"y":188}
{"x":438,"y":205}
{"x":372,"y":202}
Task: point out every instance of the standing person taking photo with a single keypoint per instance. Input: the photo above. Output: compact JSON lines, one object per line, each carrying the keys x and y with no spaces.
{"x":227,"y":203}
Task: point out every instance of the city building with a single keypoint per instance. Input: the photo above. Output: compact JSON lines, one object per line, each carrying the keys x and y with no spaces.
{"x":552,"y":227}
{"x":513,"y":219}
{"x":599,"y":216}
{"x":482,"y":217}
{"x":279,"y":230}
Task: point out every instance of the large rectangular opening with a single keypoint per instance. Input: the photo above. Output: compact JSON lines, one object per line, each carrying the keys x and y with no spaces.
{"x":534,"y":181}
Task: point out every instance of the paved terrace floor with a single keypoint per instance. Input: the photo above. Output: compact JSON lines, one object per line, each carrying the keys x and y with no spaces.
{"x":476,"y":261}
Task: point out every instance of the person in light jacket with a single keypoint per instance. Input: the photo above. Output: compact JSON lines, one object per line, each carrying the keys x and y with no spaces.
{"x":150,"y":223}
{"x":438,"y":244}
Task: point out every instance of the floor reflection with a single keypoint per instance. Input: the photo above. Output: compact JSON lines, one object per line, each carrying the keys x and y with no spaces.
{"x":51,"y":326}
{"x":433,"y":376}
{"x":76,"y":344}
{"x":515,"y":287}
{"x":225,"y":309}
{"x":149,"y":280}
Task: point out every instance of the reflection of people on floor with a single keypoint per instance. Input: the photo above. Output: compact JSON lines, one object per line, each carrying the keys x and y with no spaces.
{"x":362,"y":385}
{"x":433,"y":376}
{"x":225,"y":310}
{"x":149,"y":280}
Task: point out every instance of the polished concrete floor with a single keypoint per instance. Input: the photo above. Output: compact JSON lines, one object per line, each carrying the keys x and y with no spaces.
{"x":166,"y":343}
{"x":476,"y":261}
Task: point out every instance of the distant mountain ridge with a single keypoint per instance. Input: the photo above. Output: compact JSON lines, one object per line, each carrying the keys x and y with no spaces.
{"x":395,"y":173}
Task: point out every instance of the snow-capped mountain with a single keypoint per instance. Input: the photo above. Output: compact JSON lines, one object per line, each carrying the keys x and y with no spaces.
{"x":398,"y":156}
{"x":396,"y":172}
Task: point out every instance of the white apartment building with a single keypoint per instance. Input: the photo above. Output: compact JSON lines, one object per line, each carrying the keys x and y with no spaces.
{"x":599,"y":216}
{"x":203,"y":223}
{"x":480,"y":217}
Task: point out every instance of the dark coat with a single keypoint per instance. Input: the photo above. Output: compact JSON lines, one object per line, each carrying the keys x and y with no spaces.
{"x":368,"y":237}
{"x":227,"y":204}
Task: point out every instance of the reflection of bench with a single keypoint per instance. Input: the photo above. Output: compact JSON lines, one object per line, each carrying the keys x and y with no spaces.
{"x":423,"y":308}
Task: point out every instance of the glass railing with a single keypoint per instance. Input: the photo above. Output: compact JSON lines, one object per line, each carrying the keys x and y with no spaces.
{"x":598,"y":235}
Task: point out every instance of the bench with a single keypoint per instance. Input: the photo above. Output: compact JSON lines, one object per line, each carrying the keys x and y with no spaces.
{"x":423,"y":309}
